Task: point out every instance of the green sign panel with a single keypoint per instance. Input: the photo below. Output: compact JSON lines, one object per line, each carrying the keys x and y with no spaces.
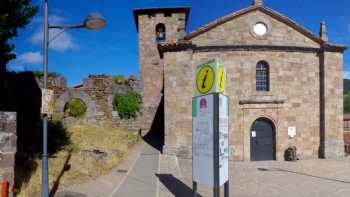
{"x":210,"y":78}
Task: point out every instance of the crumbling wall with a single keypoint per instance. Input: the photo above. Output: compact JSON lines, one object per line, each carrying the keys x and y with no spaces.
{"x":97,"y":91}
{"x":8,"y":143}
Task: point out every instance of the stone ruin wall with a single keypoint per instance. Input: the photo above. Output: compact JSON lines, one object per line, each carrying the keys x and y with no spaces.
{"x":97,"y":92}
{"x":8,"y":147}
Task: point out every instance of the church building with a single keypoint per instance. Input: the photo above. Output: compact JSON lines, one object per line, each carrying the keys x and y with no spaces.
{"x":285,"y":84}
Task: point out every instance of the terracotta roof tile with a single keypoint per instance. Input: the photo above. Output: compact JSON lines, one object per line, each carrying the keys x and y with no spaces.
{"x":174,"y":46}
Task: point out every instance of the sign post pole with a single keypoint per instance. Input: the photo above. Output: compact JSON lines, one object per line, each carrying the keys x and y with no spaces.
{"x":216,"y":188}
{"x":194,"y":188}
{"x":227,"y":189}
{"x":210,"y":149}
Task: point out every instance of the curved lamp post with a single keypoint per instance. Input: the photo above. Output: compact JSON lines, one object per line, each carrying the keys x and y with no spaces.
{"x":93,"y":21}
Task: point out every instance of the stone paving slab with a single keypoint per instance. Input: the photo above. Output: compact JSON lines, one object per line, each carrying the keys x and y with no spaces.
{"x":142,"y":180}
{"x":304,"y":178}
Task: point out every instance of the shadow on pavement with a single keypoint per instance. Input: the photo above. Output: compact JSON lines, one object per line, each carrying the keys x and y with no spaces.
{"x":155,"y":139}
{"x":303,"y":174}
{"x":175,"y":186}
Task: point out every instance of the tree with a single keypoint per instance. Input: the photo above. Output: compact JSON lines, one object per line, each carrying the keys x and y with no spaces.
{"x":14,"y":14}
{"x":347,"y":103}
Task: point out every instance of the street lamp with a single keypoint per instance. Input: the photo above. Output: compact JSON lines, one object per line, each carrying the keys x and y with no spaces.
{"x":93,"y":21}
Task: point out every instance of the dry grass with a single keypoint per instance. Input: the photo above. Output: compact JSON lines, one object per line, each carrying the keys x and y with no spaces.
{"x":104,"y":137}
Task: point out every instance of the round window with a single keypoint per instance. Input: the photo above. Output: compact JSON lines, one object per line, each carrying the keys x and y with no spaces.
{"x":260,"y":29}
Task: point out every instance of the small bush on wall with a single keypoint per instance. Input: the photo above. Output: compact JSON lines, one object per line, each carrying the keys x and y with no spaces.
{"x":119,"y":79}
{"x":40,"y":74}
{"x":75,"y":107}
{"x":128,"y":104}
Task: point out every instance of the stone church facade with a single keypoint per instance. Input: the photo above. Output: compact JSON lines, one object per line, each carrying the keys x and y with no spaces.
{"x":280,"y":77}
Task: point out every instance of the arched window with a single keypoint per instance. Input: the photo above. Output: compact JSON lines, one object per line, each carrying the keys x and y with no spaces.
{"x":160,"y":32}
{"x":262,"y":76}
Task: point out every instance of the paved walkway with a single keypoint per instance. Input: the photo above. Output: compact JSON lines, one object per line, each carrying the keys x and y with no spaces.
{"x":142,"y":180}
{"x":306,"y":178}
{"x":153,"y":175}
{"x":135,"y":176}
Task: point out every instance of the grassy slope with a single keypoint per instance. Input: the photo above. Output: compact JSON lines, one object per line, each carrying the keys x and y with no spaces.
{"x":82,"y":167}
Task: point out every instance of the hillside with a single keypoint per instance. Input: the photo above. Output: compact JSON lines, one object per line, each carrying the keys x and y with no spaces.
{"x":346,"y":86}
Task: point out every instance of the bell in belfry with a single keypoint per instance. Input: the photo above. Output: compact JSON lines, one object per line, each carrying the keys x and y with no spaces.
{"x":161,"y":35}
{"x":160,"y":32}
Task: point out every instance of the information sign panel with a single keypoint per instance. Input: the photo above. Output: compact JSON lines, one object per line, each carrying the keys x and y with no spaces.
{"x":202,"y":139}
{"x":223,"y":139}
{"x":47,"y":101}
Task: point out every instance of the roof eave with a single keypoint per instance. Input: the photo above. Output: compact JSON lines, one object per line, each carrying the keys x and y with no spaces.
{"x":175,"y":46}
{"x":335,"y":47}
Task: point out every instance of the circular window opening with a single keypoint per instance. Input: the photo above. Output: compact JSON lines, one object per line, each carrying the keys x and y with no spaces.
{"x":260,"y":29}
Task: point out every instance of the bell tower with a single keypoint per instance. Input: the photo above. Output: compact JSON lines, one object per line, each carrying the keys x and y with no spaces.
{"x":156,"y":26}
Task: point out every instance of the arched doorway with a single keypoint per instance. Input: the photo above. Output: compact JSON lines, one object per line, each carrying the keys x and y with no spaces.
{"x":262,"y":140}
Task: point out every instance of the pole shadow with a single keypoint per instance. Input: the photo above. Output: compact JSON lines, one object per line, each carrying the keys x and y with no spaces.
{"x":175,"y":186}
{"x":65,"y":167}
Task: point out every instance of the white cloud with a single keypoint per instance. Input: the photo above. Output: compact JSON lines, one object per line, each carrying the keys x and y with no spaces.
{"x":346,"y":74}
{"x":26,"y":59}
{"x":59,"y":41}
{"x":30,"y":57}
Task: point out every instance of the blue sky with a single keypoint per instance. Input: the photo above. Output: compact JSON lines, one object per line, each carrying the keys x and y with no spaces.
{"x":114,"y":49}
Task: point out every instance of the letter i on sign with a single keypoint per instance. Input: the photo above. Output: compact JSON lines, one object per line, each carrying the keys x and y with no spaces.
{"x":205,"y":79}
{"x":222,"y":79}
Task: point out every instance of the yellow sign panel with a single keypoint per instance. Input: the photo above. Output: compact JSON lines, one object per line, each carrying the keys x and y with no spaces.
{"x":222,"y":79}
{"x":210,"y":77}
{"x":205,"y":79}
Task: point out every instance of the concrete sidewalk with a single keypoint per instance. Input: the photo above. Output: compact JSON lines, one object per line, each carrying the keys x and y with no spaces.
{"x":105,"y":185}
{"x":142,"y":180}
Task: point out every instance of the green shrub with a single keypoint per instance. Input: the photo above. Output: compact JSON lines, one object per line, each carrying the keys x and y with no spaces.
{"x":119,"y":79}
{"x":40,"y":74}
{"x":128,"y":104}
{"x":75,"y":107}
{"x":346,"y":103}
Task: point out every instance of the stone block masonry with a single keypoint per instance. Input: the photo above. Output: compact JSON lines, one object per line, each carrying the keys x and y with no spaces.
{"x":303,"y":76}
{"x":151,"y":65}
{"x":8,"y":143}
{"x":97,"y":92}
